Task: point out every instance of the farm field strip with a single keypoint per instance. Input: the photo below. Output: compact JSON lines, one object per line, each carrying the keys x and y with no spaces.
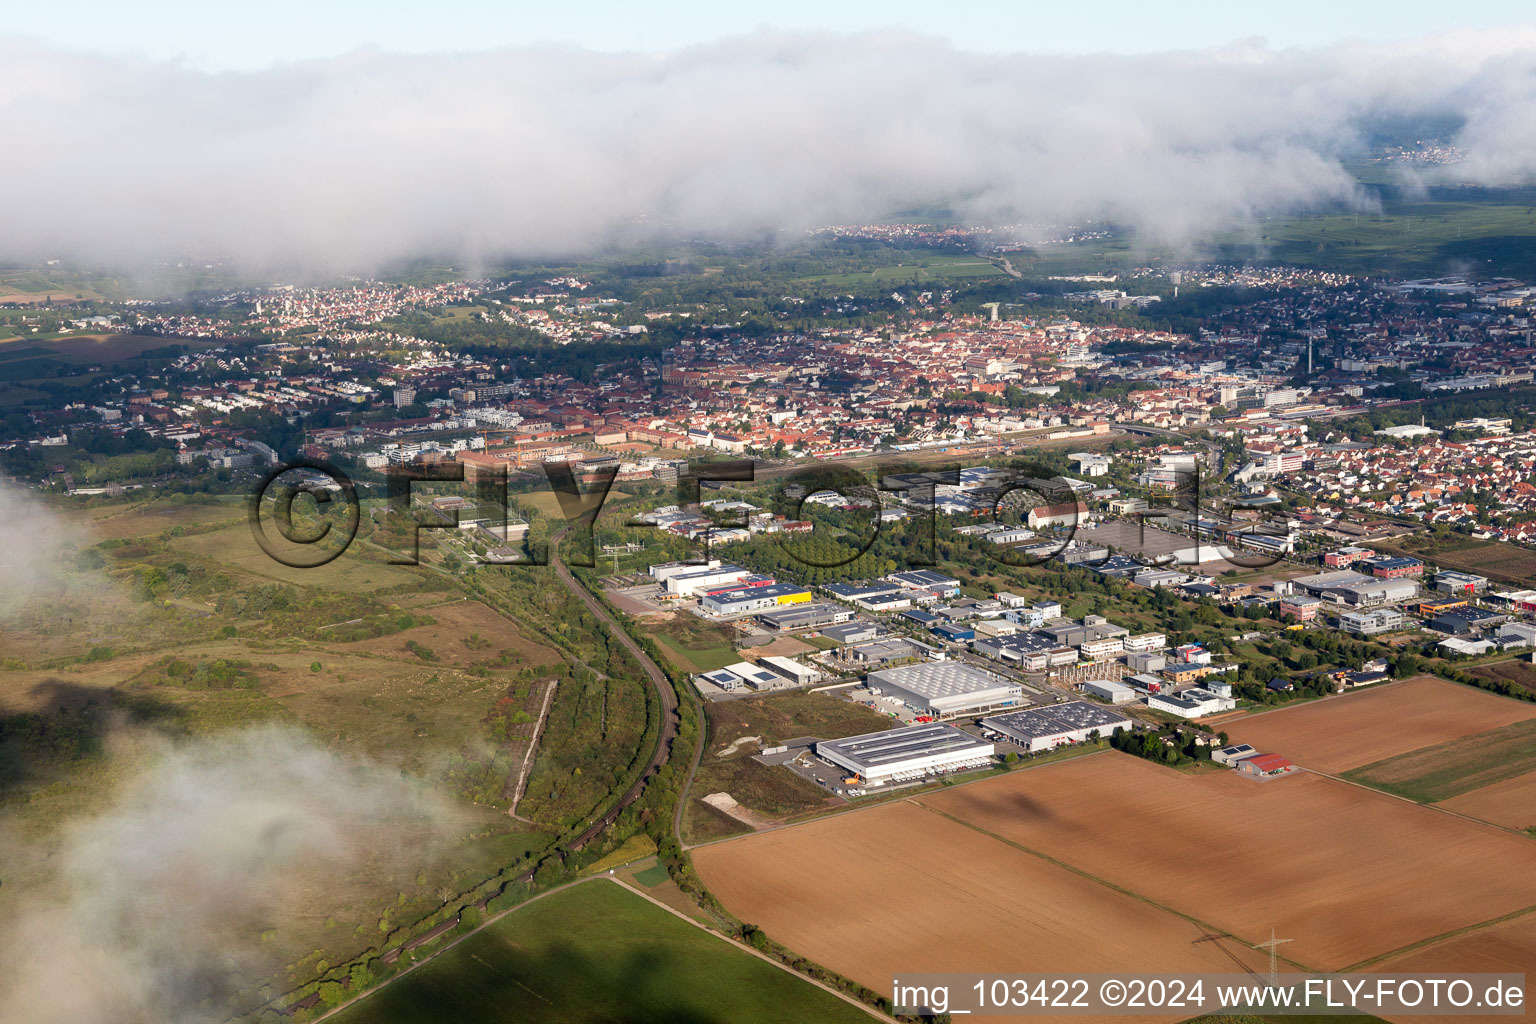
{"x":1105,"y":815}
{"x":1511,"y":803}
{"x":901,"y":888}
{"x":1447,"y":770}
{"x":1287,"y":854}
{"x":1337,"y":734}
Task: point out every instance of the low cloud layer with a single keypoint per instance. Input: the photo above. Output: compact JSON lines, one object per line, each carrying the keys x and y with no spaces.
{"x":159,"y":899}
{"x":353,"y":162}
{"x":32,"y":540}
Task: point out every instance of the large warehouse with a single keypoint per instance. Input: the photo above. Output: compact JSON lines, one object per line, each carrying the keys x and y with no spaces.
{"x":908,"y":754}
{"x":1046,"y":728}
{"x":945,"y":689}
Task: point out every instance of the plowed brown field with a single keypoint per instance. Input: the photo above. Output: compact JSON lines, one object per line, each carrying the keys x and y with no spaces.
{"x":1092,"y":865}
{"x":900,"y":888}
{"x":1511,"y":803}
{"x":1339,"y":733}
{"x":1345,"y":872}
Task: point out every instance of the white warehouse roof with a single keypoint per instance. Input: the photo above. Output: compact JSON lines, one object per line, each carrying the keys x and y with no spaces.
{"x":907,"y":752}
{"x":948,"y":687}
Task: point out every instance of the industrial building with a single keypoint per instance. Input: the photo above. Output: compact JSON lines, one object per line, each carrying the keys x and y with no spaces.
{"x":1302,"y":607}
{"x":1394,"y":567}
{"x":926,"y":579}
{"x":753,"y":599}
{"x":794,"y":671}
{"x":734,"y":677}
{"x":1192,"y":703}
{"x":1349,"y":587}
{"x":1450,"y":582}
{"x":908,"y":754}
{"x":852,"y":632}
{"x":1380,"y":620}
{"x":1143,"y":642}
{"x":1031,"y":651}
{"x":1108,"y":689}
{"x":804,"y":616}
{"x":1046,"y":728}
{"x":691,"y":584}
{"x":945,"y":689}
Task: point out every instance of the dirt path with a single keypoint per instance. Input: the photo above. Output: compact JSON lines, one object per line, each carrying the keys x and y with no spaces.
{"x":533,"y":745}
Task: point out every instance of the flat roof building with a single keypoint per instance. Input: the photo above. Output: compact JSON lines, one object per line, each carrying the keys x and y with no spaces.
{"x":1108,"y":689}
{"x":753,"y":599}
{"x":794,"y":671}
{"x":852,"y":632}
{"x":1046,"y":728}
{"x":755,"y":676}
{"x":945,"y":689}
{"x":908,"y":754}
{"x":804,"y":616}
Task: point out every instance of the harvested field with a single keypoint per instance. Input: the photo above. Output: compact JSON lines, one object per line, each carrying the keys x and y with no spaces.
{"x":1326,"y":863}
{"x":1511,"y":803}
{"x":900,"y":888}
{"x":1506,"y":948}
{"x":1336,"y":734}
{"x":1448,"y":770}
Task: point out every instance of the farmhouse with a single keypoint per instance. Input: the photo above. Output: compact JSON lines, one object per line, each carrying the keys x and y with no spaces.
{"x":945,"y":689}
{"x":1265,"y":765}
{"x":1229,"y":756}
{"x":1046,"y":728}
{"x":1067,"y":514}
{"x":907,"y":755}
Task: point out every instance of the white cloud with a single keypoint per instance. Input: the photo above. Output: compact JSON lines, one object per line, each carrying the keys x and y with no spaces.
{"x":352,"y":162}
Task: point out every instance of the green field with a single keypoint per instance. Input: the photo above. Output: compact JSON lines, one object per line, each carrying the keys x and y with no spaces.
{"x":698,"y":659}
{"x":1482,"y":231}
{"x":922,"y":270}
{"x":598,"y":952}
{"x":1460,"y":766}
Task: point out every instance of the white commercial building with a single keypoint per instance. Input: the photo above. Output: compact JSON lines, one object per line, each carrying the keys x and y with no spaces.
{"x":1099,"y":650}
{"x":755,"y":676}
{"x":944,"y":689}
{"x":907,"y":755}
{"x":1144,"y":642}
{"x":794,"y":671}
{"x":1115,"y":693}
{"x":690,"y":584}
{"x":1046,"y":728}
{"x":1191,"y":703}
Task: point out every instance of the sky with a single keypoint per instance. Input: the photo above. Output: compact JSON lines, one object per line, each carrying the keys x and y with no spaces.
{"x":268,"y":138}
{"x":242,"y":35}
